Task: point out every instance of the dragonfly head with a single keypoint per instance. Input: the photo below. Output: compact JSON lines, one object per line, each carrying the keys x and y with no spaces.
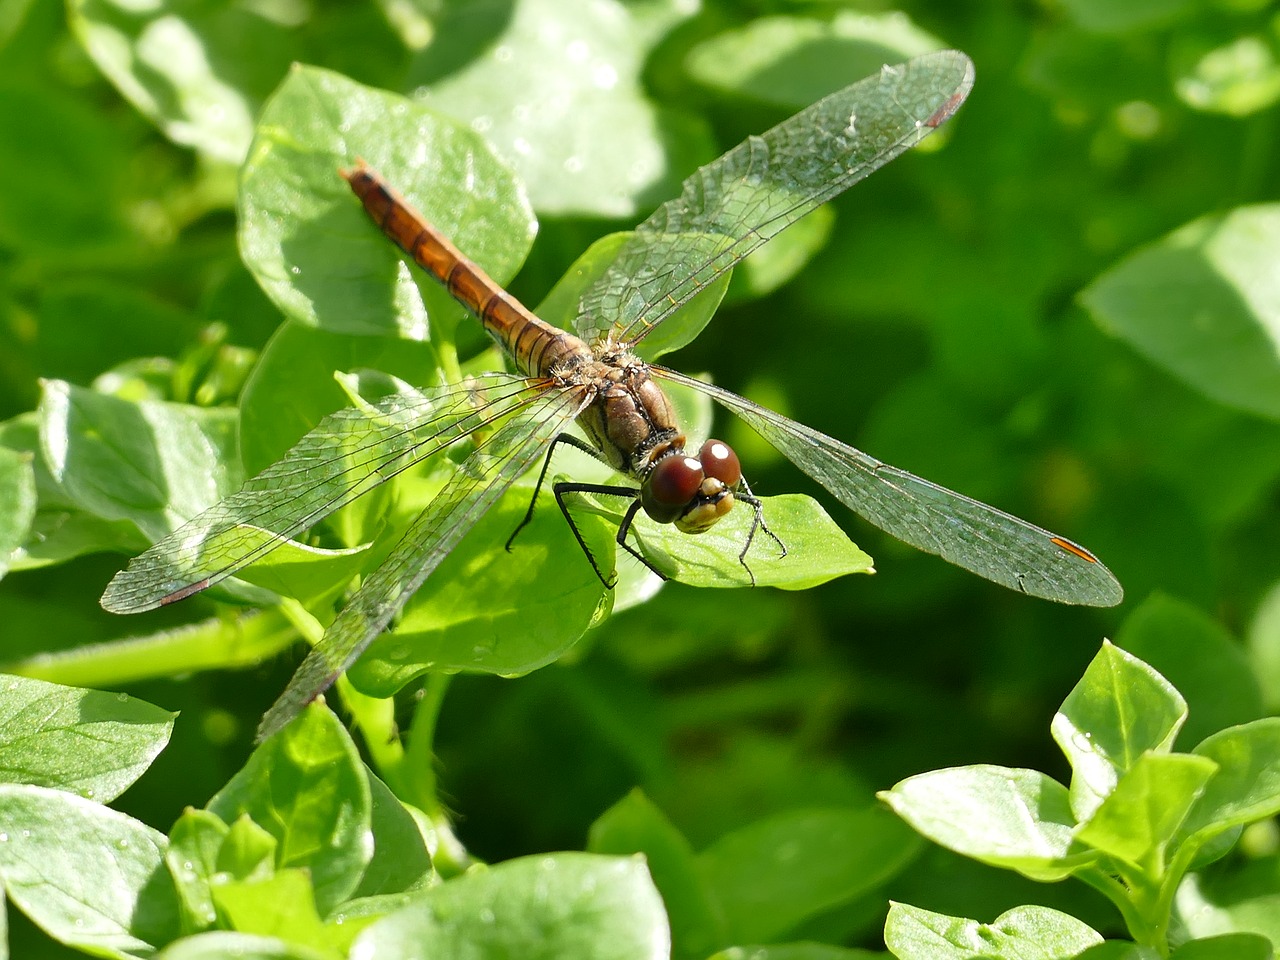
{"x":692,"y":492}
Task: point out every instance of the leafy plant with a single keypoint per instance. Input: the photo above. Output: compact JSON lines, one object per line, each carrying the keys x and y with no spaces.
{"x":1067,"y":310}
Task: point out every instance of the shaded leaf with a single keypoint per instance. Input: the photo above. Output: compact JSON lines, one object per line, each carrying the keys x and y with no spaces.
{"x":87,"y":742}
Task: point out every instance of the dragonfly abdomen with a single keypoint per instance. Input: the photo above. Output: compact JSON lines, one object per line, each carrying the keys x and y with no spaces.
{"x":537,"y":347}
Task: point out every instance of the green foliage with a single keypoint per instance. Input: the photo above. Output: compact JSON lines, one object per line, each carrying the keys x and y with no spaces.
{"x":1064,"y":305}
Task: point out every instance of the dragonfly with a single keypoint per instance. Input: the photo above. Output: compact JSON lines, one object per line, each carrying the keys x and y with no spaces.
{"x":593,"y":376}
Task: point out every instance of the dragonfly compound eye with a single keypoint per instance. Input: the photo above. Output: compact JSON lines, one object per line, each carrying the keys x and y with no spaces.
{"x":667,"y":491}
{"x":719,"y":461}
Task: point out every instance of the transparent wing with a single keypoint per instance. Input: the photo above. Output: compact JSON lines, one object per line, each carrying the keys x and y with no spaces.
{"x":481,"y":480}
{"x":734,"y":204}
{"x":348,"y":454}
{"x":970,"y":534}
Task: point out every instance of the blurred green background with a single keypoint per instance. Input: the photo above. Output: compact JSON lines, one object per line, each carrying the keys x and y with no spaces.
{"x":1004,"y":313}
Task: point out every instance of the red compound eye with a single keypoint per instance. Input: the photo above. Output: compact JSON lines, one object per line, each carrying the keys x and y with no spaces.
{"x":719,"y":461}
{"x":675,"y":481}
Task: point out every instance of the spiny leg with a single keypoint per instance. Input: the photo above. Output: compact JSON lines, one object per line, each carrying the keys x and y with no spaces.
{"x":745,"y":495}
{"x":542,"y":475}
{"x":609,"y":491}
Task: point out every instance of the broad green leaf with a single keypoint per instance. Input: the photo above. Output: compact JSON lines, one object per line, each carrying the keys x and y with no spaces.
{"x":88,"y":876}
{"x":1120,"y":709}
{"x":248,"y":852}
{"x":18,"y":495}
{"x":635,"y":825}
{"x":214,"y":644}
{"x":278,"y":906}
{"x":1017,"y":819}
{"x":1263,"y":645}
{"x":1247,"y":787}
{"x":560,"y":307}
{"x":155,"y":464}
{"x":1023,"y":933}
{"x":1203,"y":303}
{"x":1245,"y":898}
{"x":192,"y":858}
{"x":817,"y":550}
{"x":548,"y":907}
{"x":183,"y":65}
{"x":492,"y":611}
{"x":793,"y":61}
{"x":1232,"y":946}
{"x":292,"y":387}
{"x":1238,"y":79}
{"x":221,"y":944}
{"x":1140,"y":816}
{"x":1106,"y":16}
{"x":795,"y":951}
{"x":69,"y":161}
{"x":1118,"y":950}
{"x":88,"y":742}
{"x":306,"y":237}
{"x":544,"y":86}
{"x":770,"y":876}
{"x":307,"y":787}
{"x":1200,"y":658}
{"x":401,"y":860}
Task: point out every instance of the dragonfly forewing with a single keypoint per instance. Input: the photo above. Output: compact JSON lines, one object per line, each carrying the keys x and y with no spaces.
{"x":348,"y":454}
{"x":498,"y":460}
{"x":986,"y":541}
{"x":764,"y":185}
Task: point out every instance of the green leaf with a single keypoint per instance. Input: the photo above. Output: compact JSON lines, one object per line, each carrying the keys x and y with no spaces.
{"x":155,"y":464}
{"x":1017,"y":819}
{"x":1120,"y":709}
{"x":248,"y":852}
{"x":546,"y":907}
{"x":280,"y":905}
{"x":292,"y":387}
{"x":1247,"y":787}
{"x":1232,"y":946}
{"x":192,"y":858}
{"x":493,"y":611}
{"x":308,"y":241}
{"x":795,"y":951}
{"x":1200,"y":658}
{"x":770,"y":876}
{"x":793,"y":61}
{"x":635,"y":825}
{"x":1263,"y":645}
{"x":560,"y":307}
{"x":544,"y":84}
{"x":88,"y":876}
{"x":1238,"y":78}
{"x":1023,"y":933}
{"x":18,"y":494}
{"x":87,"y":742}
{"x":1245,"y":897}
{"x":401,"y":860}
{"x":1142,"y":814}
{"x":1118,"y":950}
{"x":1203,"y":303}
{"x":817,"y":550}
{"x":221,"y":944}
{"x":307,"y":787}
{"x":184,"y":66}
{"x":219,"y":643}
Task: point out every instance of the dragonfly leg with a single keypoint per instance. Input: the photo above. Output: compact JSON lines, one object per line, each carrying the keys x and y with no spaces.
{"x":609,"y":491}
{"x":542,"y":475}
{"x":744,"y":495}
